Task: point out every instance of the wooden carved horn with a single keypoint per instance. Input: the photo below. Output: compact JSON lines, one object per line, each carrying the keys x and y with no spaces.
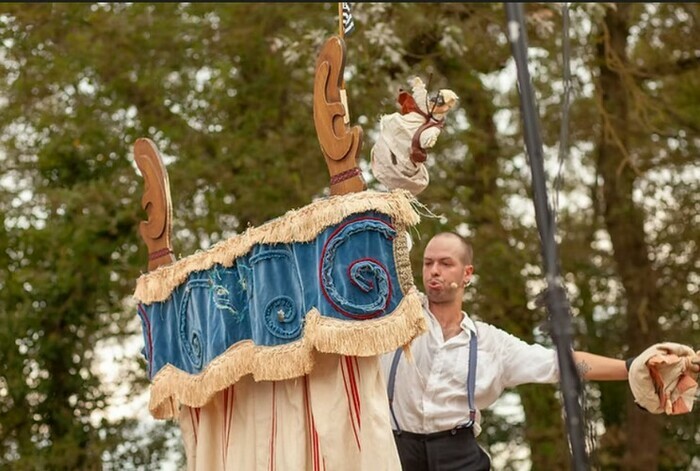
{"x":157,"y":230}
{"x":340,"y":143}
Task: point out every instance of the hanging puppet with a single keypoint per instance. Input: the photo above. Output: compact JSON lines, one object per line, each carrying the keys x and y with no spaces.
{"x":398,"y":158}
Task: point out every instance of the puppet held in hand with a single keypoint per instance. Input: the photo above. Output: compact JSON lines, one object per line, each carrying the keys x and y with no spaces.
{"x":400,"y":152}
{"x":663,"y":379}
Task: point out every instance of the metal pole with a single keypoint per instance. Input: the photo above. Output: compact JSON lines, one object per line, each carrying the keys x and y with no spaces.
{"x":556,"y":301}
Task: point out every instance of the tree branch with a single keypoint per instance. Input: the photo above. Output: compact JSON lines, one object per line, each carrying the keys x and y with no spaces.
{"x":668,"y":68}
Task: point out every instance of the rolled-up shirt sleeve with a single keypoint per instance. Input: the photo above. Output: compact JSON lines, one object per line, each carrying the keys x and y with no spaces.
{"x":523,"y":363}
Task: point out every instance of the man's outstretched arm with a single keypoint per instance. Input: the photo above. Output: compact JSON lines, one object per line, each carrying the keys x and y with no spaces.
{"x":599,"y":368}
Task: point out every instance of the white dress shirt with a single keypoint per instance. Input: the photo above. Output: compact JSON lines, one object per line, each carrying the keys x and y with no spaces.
{"x":430,"y":393}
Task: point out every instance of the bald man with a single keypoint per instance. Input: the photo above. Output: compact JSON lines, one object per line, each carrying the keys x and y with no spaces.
{"x":460,"y":366}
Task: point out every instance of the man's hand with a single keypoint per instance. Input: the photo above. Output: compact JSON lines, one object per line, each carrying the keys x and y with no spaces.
{"x":691,"y":359}
{"x":695,"y":363}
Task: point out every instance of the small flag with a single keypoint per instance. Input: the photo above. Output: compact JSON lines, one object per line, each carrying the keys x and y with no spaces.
{"x":348,"y":22}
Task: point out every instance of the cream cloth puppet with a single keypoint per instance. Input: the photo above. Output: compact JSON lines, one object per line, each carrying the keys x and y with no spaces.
{"x":397,"y":158}
{"x":663,"y":378}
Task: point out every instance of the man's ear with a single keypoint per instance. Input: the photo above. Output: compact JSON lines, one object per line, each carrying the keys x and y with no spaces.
{"x":468,"y":272}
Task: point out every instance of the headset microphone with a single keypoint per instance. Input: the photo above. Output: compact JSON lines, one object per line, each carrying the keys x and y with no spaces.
{"x":454,"y":285}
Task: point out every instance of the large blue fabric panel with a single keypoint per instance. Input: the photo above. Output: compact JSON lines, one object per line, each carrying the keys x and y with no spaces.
{"x":347,"y":272}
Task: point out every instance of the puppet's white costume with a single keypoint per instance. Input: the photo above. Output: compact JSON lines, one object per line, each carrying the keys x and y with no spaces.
{"x":398,"y":156}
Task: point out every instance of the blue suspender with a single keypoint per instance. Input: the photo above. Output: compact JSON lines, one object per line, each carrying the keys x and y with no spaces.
{"x":471,"y":382}
{"x":392,"y":381}
{"x":471,"y":379}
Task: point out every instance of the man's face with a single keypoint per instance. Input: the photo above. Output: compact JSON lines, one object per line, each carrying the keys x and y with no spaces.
{"x":444,"y":271}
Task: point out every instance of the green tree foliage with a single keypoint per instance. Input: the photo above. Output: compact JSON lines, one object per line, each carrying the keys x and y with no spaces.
{"x":225,"y":92}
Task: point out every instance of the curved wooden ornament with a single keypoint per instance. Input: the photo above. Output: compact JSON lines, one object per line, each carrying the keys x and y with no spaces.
{"x":340,"y":143}
{"x":157,"y":230}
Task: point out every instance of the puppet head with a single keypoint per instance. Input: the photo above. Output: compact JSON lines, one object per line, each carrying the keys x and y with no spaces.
{"x":442,"y":102}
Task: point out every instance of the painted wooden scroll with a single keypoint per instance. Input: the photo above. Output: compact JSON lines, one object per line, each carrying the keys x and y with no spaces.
{"x":157,"y":230}
{"x":340,"y":143}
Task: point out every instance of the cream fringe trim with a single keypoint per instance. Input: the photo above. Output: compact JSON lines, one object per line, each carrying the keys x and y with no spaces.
{"x":300,"y":225}
{"x":172,"y":387}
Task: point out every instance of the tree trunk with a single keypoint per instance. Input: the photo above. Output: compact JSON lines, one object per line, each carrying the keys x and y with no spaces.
{"x":625,"y":224}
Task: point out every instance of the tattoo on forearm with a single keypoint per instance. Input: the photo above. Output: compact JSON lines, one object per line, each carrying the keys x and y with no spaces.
{"x":583,"y":368}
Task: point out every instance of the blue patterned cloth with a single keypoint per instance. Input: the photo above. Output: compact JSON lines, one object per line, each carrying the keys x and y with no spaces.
{"x":348,"y":272}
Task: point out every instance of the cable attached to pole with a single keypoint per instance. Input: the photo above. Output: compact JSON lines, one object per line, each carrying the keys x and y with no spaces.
{"x":346,"y":24}
{"x":341,"y":29}
{"x":564,"y":128}
{"x":555,"y":298}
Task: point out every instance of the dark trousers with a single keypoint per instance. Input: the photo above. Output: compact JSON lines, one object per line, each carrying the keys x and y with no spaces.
{"x":451,"y":450}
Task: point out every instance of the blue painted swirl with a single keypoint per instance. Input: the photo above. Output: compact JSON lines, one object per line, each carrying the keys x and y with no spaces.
{"x":369,"y":275}
{"x":282,"y":318}
{"x":191,"y":338}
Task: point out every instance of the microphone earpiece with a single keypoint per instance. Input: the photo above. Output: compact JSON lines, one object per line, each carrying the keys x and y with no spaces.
{"x":454,"y":285}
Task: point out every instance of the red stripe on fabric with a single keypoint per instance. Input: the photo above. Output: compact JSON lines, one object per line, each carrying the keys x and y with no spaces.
{"x":307,"y":423}
{"x":274,"y":429}
{"x":353,"y":386}
{"x":307,"y":411}
{"x":194,"y":424}
{"x":312,"y":435}
{"x":317,"y":452}
{"x":350,"y":402}
{"x":355,"y":394}
{"x":232,"y":406}
{"x":197,"y":416}
{"x":359,"y":396}
{"x":223,"y":429}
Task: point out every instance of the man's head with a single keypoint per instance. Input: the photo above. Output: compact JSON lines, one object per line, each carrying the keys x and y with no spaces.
{"x":447,"y":268}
